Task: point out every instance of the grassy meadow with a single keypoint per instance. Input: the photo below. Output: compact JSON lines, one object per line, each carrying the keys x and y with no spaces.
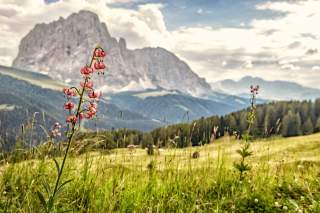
{"x":285,"y":177}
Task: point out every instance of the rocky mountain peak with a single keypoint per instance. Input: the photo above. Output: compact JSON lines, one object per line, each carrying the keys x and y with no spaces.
{"x":60,"y":49}
{"x":122,"y":44}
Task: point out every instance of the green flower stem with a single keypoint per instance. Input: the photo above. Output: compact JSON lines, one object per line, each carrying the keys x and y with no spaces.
{"x":70,"y":136}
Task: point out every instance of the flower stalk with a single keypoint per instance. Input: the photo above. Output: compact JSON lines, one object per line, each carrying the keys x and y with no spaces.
{"x":86,"y":109}
{"x":244,"y":151}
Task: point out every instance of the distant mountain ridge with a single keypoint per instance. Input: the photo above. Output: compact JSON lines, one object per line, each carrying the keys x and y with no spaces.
{"x":272,"y":90}
{"x":172,"y":106}
{"x":23,"y":93}
{"x":20,"y":99}
{"x":60,"y":49}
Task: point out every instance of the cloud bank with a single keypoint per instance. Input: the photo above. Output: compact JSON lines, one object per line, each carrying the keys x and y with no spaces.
{"x":282,"y":47}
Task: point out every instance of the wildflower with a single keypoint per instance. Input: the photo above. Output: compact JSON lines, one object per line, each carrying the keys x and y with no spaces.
{"x":285,"y":208}
{"x":254,"y":89}
{"x":71,"y":119}
{"x":94,"y":94}
{"x":86,"y":71}
{"x":69,"y":92}
{"x":81,"y":115}
{"x":88,"y":85}
{"x":93,"y":106}
{"x":99,"y":65}
{"x":256,"y":200}
{"x":69,"y":105}
{"x":99,"y":53}
{"x":55,"y":133}
{"x":276,"y":204}
{"x":57,"y":125}
{"x":80,"y":112}
{"x":91,"y":110}
{"x":90,"y":114}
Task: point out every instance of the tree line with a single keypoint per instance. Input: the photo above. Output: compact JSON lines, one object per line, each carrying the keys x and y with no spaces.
{"x":283,"y":118}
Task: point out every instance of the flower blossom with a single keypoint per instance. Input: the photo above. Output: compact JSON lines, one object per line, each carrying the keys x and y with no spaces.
{"x":69,"y":105}
{"x":69,"y":92}
{"x":94,"y":95}
{"x":89,"y":110}
{"x":71,"y":119}
{"x":86,"y":71}
{"x":88,"y":85}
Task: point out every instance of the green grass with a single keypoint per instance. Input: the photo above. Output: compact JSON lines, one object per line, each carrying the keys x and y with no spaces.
{"x":285,"y":177}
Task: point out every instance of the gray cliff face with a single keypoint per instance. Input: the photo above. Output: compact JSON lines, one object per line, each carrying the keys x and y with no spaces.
{"x":61,"y":48}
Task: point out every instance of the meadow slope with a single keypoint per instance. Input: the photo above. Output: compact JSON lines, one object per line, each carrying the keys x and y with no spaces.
{"x":285,"y":176}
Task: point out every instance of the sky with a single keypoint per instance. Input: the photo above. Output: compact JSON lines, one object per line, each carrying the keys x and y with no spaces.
{"x":219,"y":39}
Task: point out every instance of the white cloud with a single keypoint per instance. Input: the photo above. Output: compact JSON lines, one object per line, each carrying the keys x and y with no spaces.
{"x":200,"y":11}
{"x":118,"y":1}
{"x":143,"y":26}
{"x":248,"y":64}
{"x":224,"y":63}
{"x":266,"y":42}
{"x":273,"y":48}
{"x":316,"y":67}
{"x":290,"y":67}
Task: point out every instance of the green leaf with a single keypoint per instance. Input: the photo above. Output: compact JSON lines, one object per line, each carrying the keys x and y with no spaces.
{"x":46,"y":186}
{"x":42,"y":199}
{"x":57,"y":165}
{"x":63,"y":184}
{"x":50,"y":203}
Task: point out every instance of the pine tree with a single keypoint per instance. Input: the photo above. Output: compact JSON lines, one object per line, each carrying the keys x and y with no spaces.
{"x":307,"y":127}
{"x":291,"y":125}
{"x":317,"y":127}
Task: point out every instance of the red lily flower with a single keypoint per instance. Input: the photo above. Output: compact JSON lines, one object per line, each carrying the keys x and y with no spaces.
{"x":94,"y":94}
{"x":69,"y":105}
{"x":81,"y":116}
{"x":100,"y":53}
{"x":90,"y":114}
{"x":71,"y":119}
{"x":86,"y":71}
{"x":98,"y":65}
{"x":69,"y":92}
{"x":88,"y":85}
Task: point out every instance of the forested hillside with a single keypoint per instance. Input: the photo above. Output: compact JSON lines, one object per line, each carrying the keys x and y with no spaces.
{"x":286,"y":118}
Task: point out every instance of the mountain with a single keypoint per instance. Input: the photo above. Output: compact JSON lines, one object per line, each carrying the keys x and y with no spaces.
{"x":172,"y":106}
{"x":24,"y":93}
{"x":60,"y":49}
{"x":272,"y":90}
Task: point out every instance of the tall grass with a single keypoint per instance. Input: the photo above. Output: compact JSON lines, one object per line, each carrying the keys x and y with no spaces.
{"x":126,"y":181}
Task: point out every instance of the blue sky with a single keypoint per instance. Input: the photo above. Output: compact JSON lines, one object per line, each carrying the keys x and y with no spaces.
{"x":219,"y":39}
{"x":216,"y":13}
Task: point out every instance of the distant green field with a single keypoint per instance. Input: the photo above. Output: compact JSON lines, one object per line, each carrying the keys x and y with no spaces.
{"x":285,"y":177}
